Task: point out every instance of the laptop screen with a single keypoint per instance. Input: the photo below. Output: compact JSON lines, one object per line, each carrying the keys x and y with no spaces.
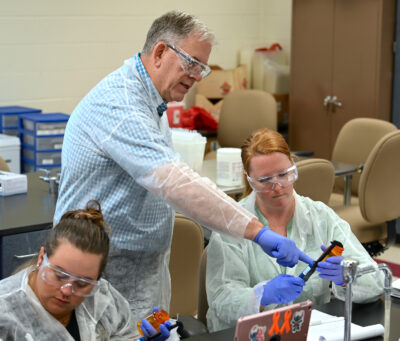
{"x":287,"y":323}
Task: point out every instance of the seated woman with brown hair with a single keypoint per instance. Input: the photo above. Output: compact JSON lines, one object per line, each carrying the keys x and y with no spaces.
{"x":242,"y":280}
{"x":62,"y":296}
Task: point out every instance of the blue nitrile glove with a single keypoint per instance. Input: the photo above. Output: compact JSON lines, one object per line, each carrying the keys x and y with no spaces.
{"x":148,"y":330}
{"x":331,"y":269}
{"x":282,"y":289}
{"x":283,"y":249}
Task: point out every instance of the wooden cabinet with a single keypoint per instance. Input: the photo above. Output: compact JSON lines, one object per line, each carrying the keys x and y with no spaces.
{"x":342,"y":51}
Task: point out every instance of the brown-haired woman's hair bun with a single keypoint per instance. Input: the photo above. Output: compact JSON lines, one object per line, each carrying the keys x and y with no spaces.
{"x":85,"y":230}
{"x":91,"y":212}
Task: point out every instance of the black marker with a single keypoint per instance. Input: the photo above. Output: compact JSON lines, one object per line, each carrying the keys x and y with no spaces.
{"x":309,"y":270}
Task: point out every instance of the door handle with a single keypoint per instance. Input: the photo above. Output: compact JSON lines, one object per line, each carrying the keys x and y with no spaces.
{"x":335,"y":101}
{"x":327,"y":101}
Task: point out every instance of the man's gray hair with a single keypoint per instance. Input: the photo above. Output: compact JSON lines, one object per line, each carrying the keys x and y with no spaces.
{"x":173,"y":27}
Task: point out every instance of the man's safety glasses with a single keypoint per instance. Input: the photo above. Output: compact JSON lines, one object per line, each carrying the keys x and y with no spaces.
{"x":60,"y":279}
{"x":267,"y":183}
{"x":190,"y":65}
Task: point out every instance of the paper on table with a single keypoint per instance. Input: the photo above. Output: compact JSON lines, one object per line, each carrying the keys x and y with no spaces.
{"x":396,"y":288}
{"x":325,"y":327}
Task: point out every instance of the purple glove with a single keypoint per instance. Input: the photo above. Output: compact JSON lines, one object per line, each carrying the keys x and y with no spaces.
{"x":331,"y":269}
{"x":148,"y":330}
{"x":282,"y":289}
{"x":280,"y":247}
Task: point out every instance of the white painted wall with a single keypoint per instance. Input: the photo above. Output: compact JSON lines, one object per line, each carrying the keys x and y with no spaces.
{"x":53,"y":52}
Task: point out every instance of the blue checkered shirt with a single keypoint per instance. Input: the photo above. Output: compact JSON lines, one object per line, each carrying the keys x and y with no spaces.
{"x":114,"y":136}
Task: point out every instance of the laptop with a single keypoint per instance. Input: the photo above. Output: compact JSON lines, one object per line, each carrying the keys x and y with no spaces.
{"x":287,"y":323}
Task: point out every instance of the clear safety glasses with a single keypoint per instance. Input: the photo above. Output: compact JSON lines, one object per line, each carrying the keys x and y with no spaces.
{"x":267,"y":183}
{"x":190,"y":65}
{"x":60,"y":279}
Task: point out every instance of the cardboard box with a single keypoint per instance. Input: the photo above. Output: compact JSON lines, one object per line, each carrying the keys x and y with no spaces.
{"x":211,"y":145}
{"x":202,"y":102}
{"x":221,"y":82}
{"x":10,"y":151}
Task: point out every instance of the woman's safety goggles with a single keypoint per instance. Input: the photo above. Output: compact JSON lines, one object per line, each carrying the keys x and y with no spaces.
{"x":60,"y":279}
{"x":267,"y":183}
{"x":190,"y":65}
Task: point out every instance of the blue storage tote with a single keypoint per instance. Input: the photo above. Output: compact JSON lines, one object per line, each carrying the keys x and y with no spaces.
{"x":41,"y":143}
{"x":9,"y":118}
{"x":10,"y":131}
{"x":29,"y":167}
{"x":43,"y":124}
{"x":41,"y":158}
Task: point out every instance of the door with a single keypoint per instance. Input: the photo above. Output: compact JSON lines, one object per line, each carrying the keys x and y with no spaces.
{"x":353,"y":39}
{"x":357,"y":58}
{"x":310,"y":78}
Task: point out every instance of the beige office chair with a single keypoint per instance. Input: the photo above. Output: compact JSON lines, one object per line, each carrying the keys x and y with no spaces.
{"x":202,"y":299}
{"x":187,"y":246}
{"x":242,"y":112}
{"x":3,"y":165}
{"x":316,"y":178}
{"x":373,"y":218}
{"x":353,"y":145}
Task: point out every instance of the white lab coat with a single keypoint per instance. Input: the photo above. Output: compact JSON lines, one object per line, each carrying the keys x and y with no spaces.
{"x":238,"y":269}
{"x":104,"y":316}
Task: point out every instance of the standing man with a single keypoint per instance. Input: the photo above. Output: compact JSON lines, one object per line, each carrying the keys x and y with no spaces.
{"x":117,"y":149}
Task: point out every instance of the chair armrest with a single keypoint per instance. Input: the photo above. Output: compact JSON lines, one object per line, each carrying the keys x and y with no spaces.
{"x":303,"y":152}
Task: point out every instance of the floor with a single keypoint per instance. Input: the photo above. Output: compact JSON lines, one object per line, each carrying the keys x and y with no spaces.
{"x":391,"y":255}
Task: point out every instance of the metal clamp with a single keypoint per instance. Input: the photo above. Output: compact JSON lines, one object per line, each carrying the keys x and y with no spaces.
{"x":350,"y":272}
{"x":52,"y":180}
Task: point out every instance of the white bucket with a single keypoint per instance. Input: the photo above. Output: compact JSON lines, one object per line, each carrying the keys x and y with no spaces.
{"x":190,"y":145}
{"x":276,"y":77}
{"x":229,"y":167}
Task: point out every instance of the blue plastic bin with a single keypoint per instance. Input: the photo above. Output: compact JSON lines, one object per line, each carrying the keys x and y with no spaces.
{"x":43,"y":124}
{"x":9,"y":118}
{"x":28,"y":166}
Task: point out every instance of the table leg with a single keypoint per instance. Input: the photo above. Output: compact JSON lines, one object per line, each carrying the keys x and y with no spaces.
{"x":347,"y":189}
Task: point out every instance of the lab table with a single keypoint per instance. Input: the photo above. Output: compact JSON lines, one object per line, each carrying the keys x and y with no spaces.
{"x":24,"y":221}
{"x":363,"y":315}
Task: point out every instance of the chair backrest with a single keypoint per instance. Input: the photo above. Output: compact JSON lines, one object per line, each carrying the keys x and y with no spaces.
{"x":186,"y":249}
{"x":202,"y":300}
{"x":379,"y":190}
{"x":355,"y":141}
{"x":242,"y":112}
{"x":3,"y":165}
{"x":316,"y":179}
